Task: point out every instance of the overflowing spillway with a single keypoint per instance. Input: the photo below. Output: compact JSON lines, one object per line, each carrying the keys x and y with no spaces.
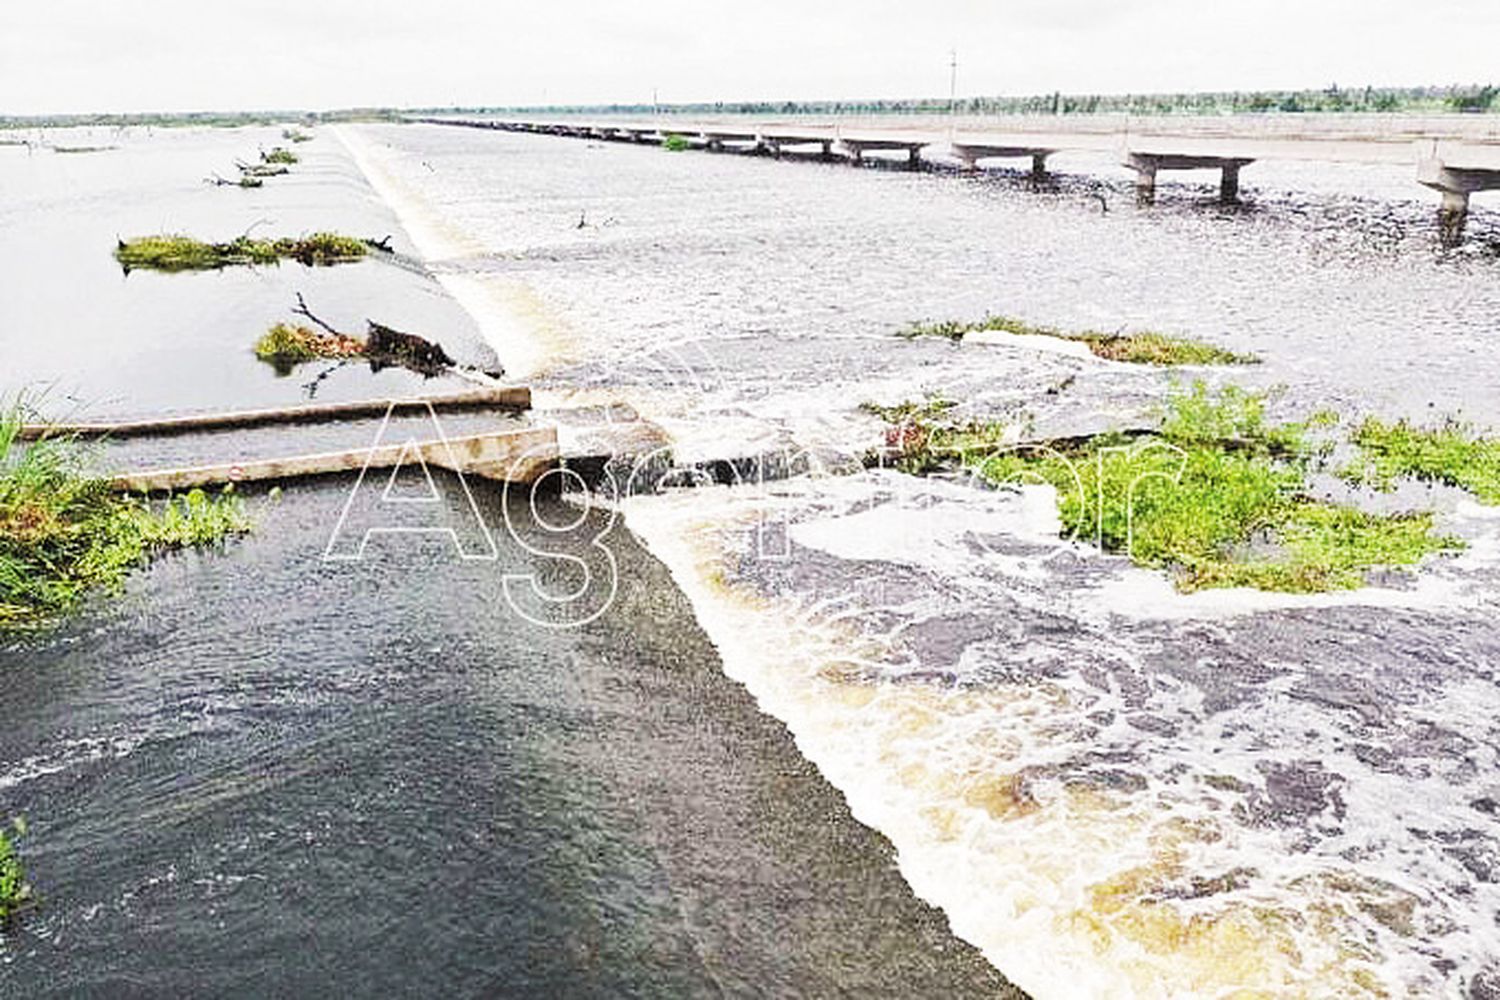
{"x":1110,"y":788}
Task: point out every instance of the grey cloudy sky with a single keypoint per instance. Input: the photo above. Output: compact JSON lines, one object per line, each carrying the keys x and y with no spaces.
{"x":85,"y":55}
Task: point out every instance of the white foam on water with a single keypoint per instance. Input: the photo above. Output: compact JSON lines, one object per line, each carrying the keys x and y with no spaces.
{"x":1074,"y":890}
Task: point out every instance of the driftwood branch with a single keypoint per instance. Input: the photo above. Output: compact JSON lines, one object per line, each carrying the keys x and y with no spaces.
{"x":405,"y":349}
{"x":261,"y":169}
{"x":302,"y":310}
{"x":385,"y":347}
{"x":383,"y":244}
{"x":253,"y":226}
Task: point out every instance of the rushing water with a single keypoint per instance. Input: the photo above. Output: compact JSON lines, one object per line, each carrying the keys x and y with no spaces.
{"x":263,"y":774}
{"x":1111,"y":789}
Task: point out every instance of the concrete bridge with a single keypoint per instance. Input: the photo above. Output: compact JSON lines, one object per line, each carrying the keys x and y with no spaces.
{"x":1455,"y":155}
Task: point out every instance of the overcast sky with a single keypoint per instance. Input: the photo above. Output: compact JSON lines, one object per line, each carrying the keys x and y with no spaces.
{"x":108,"y":55}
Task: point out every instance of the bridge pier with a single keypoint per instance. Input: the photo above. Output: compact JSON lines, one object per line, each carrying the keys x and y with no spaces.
{"x":776,"y":143}
{"x":1229,"y":183}
{"x":1453,"y":216}
{"x":1146,"y":166}
{"x":1455,"y":185}
{"x":970,"y":154}
{"x":1038,"y":167}
{"x":857,"y":149}
{"x":1145,"y":180}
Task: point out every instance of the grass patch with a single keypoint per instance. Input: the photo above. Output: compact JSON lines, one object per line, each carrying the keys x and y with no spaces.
{"x":674,"y":143}
{"x":83,"y":149}
{"x":64,"y":532}
{"x":183,"y":253}
{"x":1218,"y":497}
{"x":295,"y":135}
{"x":285,"y":344}
{"x":15,"y":894}
{"x":1451,"y":453}
{"x":279,"y":155}
{"x":1146,"y":348}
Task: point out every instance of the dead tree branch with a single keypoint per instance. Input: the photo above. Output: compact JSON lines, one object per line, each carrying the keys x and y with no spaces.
{"x":302,"y":310}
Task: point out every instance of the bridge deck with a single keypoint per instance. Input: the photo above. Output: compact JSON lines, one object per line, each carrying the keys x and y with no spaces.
{"x":1454,"y":154}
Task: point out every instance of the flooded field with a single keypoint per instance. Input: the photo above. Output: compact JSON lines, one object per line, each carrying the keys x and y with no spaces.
{"x":1111,"y":788}
{"x":101,"y":343}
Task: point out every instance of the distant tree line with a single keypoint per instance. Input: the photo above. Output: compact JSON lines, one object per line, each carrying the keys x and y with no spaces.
{"x":1330,"y":99}
{"x":184,"y":119}
{"x":1463,"y":99}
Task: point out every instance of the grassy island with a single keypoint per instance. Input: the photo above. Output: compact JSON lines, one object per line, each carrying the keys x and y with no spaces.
{"x":1218,"y":497}
{"x":183,"y":253}
{"x":290,"y":344}
{"x":1452,"y":454}
{"x":1147,"y":348}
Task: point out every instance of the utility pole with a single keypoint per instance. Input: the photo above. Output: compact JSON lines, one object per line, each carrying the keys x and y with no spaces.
{"x":953,"y":82}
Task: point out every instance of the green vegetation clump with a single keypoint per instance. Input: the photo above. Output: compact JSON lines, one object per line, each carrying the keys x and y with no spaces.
{"x":1217,"y":497}
{"x":923,"y":438}
{"x":183,"y":253}
{"x":674,"y":143}
{"x":15,"y":894}
{"x":1146,"y":348}
{"x":285,"y":344}
{"x":279,"y":155}
{"x":1450,"y":454}
{"x":64,"y":532}
{"x":295,"y":135}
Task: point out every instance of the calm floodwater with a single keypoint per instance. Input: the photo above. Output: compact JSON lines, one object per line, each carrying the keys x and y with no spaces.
{"x":101,"y":343}
{"x":1112,"y":789}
